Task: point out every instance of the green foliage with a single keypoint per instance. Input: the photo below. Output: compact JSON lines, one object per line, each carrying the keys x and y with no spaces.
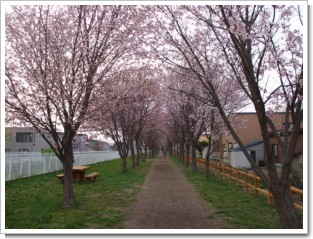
{"x":243,"y":210}
{"x":36,"y":202}
{"x":201,"y":145}
{"x":47,"y":151}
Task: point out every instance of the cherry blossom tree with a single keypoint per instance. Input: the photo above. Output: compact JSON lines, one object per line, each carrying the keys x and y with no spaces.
{"x":179,"y":137}
{"x":117,"y":127}
{"x":120,"y":110}
{"x":153,"y":133}
{"x":213,"y":127}
{"x":56,"y":56}
{"x":189,"y":114}
{"x":261,"y":41}
{"x":197,"y":105}
{"x":145,"y":92}
{"x":177,"y":129}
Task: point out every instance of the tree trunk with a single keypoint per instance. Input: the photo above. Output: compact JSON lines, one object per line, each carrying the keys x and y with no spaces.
{"x":145,"y":153}
{"x":182,"y":151}
{"x":170,"y":148}
{"x":68,"y":198}
{"x":194,"y":156}
{"x":288,"y":214}
{"x":124,"y":164}
{"x":207,"y":158}
{"x":187,"y":154}
{"x":132,"y":152}
{"x":141,"y":154}
{"x":123,"y":152}
{"x":149,"y":152}
{"x":138,"y":152}
{"x":207,"y":167}
{"x":152,"y":152}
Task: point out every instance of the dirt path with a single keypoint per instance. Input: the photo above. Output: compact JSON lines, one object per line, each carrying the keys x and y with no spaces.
{"x":168,"y":201}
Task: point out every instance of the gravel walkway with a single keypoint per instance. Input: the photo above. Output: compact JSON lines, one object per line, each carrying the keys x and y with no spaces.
{"x":168,"y":201}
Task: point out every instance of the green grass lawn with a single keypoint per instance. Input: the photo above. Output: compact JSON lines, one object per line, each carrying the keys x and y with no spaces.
{"x":242,"y":209}
{"x":37,"y":202}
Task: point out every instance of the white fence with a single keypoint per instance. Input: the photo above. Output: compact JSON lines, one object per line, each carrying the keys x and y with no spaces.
{"x":28,"y":164}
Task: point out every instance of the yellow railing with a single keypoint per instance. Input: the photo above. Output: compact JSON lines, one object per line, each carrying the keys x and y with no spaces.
{"x":248,"y":180}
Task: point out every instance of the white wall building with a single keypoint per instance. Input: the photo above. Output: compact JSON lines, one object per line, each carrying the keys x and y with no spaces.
{"x":25,"y":139}
{"x":237,"y":159}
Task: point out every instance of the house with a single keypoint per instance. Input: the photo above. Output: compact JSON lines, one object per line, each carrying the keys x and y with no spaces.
{"x":98,"y":145}
{"x":26,"y":139}
{"x":238,"y":159}
{"x":226,"y":148}
{"x":80,"y":142}
{"x":297,"y":163}
{"x":277,"y":150}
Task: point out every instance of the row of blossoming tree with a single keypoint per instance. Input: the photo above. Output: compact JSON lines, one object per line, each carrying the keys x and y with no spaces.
{"x":143,"y":74}
{"x":68,"y":68}
{"x":237,"y":54}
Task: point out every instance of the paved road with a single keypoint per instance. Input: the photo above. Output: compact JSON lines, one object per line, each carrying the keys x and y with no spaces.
{"x":168,"y":201}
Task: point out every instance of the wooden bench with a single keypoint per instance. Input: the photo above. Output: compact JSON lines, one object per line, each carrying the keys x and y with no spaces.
{"x":61,"y":177}
{"x":92,"y":176}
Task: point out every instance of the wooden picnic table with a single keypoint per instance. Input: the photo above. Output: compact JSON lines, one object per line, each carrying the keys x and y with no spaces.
{"x":79,"y":173}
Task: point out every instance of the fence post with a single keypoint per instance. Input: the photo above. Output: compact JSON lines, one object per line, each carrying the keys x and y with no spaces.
{"x":21,"y":168}
{"x":270,"y":198}
{"x":238,"y":176}
{"x":10,"y":169}
{"x":246,"y":181}
{"x":256,"y":184}
{"x":44,"y":165}
{"x":29,"y":159}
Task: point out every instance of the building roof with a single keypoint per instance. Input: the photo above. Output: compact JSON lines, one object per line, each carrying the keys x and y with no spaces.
{"x":249,"y":145}
{"x":250,"y":109}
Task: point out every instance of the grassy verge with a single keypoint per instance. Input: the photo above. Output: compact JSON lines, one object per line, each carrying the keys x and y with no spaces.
{"x":36,"y":202}
{"x":242,"y":209}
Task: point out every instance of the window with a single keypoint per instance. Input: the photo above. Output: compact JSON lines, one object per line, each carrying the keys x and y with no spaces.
{"x":23,"y":150}
{"x":24,"y":137}
{"x":290,"y":125}
{"x":275,"y":150}
{"x":230,"y":145}
{"x":252,"y":153}
{"x":7,"y":150}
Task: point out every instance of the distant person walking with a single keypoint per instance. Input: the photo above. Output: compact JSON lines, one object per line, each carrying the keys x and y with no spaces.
{"x":163,"y":149}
